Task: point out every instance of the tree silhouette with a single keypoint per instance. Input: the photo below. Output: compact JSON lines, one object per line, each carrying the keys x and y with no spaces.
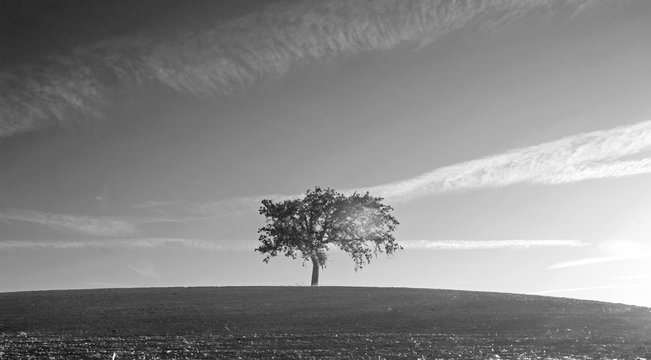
{"x":358,"y":224}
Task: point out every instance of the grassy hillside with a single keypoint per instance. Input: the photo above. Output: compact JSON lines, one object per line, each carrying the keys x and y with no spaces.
{"x":322,"y":322}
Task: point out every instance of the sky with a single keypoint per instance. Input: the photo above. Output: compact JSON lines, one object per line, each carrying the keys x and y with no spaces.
{"x":512,"y":139}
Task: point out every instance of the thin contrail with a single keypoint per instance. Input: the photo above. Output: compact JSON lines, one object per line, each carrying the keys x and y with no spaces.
{"x":233,"y":56}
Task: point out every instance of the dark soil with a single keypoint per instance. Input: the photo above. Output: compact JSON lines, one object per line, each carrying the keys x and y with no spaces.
{"x":323,"y":322}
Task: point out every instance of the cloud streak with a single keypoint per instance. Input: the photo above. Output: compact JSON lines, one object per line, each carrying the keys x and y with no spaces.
{"x":97,"y":226}
{"x":614,"y":250}
{"x":487,"y":244}
{"x":603,"y":154}
{"x":101,"y":226}
{"x":231,"y":56}
{"x":592,"y":155}
{"x":138,"y":243}
{"x":592,"y":261}
{"x":144,"y":243}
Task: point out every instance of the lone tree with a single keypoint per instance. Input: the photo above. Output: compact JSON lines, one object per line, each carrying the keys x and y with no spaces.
{"x":358,"y":224}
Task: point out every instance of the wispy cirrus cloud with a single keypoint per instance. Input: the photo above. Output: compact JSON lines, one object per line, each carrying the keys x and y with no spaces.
{"x":592,"y":261}
{"x":232,"y":206}
{"x":613,"y":250}
{"x":119,"y":243}
{"x":591,"y":155}
{"x":603,"y":154}
{"x":97,"y":226}
{"x":101,"y":226}
{"x":631,"y":277}
{"x":488,"y":244}
{"x":231,"y":56}
{"x":145,"y":270}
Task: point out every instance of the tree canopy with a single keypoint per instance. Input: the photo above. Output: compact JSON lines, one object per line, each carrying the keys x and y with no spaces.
{"x":358,"y":224}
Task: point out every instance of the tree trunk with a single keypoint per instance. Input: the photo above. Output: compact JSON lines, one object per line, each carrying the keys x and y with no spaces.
{"x":315,"y":271}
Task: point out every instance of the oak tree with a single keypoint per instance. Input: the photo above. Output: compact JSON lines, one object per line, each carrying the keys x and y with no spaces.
{"x":358,"y":224}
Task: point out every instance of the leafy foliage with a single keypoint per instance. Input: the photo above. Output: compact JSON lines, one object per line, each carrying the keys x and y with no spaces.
{"x":358,"y":224}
